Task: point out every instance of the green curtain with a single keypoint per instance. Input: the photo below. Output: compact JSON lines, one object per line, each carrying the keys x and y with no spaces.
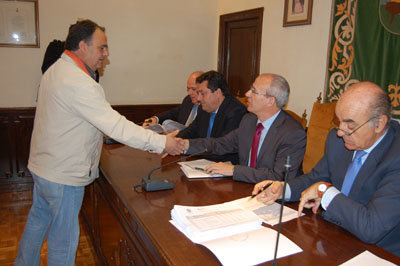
{"x":365,"y":46}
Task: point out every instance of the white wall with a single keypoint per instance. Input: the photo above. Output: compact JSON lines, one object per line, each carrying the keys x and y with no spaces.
{"x":298,"y":53}
{"x":154,"y":46}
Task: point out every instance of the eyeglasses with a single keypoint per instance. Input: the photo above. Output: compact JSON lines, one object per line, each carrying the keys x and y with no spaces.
{"x":337,"y":128}
{"x":253,"y":90}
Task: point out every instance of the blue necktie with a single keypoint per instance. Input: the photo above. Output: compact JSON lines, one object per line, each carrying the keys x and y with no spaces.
{"x":210,"y":124}
{"x":352,"y":172}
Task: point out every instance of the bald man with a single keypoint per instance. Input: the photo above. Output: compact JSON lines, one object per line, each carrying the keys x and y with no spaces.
{"x":184,"y":113}
{"x":357,"y":182}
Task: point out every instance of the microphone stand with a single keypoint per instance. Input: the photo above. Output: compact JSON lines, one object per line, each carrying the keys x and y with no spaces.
{"x":287,"y":167}
{"x":156,"y":184}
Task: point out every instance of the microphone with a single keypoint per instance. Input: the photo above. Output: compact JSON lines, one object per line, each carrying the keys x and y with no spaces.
{"x":287,"y":167}
{"x":155,"y":184}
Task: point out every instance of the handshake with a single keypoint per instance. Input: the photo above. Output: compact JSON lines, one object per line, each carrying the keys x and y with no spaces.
{"x":175,"y":146}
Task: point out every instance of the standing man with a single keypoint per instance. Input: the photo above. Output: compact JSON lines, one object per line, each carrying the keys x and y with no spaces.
{"x":66,"y":145}
{"x":223,"y":112}
{"x":357,"y":181}
{"x":186,"y":112}
{"x":265,"y":137}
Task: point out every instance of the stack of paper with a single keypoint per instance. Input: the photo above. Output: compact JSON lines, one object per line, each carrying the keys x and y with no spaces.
{"x":210,"y":222}
{"x":196,"y":169}
{"x":232,"y":232}
{"x":269,"y":214}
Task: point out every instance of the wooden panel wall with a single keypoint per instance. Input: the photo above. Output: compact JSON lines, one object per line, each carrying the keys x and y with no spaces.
{"x":16,"y":126}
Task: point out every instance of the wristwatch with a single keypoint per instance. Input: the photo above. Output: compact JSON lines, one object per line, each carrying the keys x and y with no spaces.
{"x":322,"y":188}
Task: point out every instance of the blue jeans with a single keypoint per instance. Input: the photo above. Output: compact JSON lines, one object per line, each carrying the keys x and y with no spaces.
{"x":54,"y":214}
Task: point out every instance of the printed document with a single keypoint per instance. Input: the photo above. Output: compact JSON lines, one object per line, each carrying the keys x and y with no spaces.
{"x":232,"y":231}
{"x":196,"y":169}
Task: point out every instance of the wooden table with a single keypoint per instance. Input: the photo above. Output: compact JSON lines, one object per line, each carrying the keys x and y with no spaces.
{"x":131,"y":228}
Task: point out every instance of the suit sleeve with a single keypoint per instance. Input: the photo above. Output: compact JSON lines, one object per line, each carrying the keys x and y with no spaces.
{"x":293,"y":145}
{"x":319,"y":173}
{"x":219,"y":146}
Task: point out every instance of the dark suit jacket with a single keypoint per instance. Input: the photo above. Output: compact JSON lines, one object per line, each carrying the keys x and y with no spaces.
{"x":179,"y":114}
{"x":285,"y":137}
{"x":371,"y":211}
{"x":228,"y":118}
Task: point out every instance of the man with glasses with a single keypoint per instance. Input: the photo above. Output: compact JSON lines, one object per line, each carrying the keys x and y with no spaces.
{"x":357,"y":181}
{"x":265,"y":137}
{"x":186,"y":112}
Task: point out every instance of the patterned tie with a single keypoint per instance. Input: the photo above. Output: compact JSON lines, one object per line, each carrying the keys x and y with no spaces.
{"x":254,"y":146}
{"x":352,"y":172}
{"x":210,"y":124}
{"x":192,"y":115}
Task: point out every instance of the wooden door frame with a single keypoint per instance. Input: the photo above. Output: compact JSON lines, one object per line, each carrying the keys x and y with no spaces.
{"x":256,"y":13}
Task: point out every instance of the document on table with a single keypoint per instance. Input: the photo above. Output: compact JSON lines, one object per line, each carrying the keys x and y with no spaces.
{"x":196,"y":169}
{"x":269,"y":214}
{"x":367,"y":259}
{"x":232,"y":232}
{"x":251,"y":248}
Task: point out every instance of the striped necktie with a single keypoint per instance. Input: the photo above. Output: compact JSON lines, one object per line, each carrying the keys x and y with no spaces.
{"x":192,"y":115}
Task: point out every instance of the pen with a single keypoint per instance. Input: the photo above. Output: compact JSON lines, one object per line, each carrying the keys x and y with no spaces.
{"x":262,"y":189}
{"x":200,"y":169}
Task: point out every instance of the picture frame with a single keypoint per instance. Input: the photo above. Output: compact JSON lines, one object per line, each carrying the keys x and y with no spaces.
{"x":21,"y":23}
{"x":297,"y":12}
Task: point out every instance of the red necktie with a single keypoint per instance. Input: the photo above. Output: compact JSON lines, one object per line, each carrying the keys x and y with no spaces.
{"x":254,"y":146}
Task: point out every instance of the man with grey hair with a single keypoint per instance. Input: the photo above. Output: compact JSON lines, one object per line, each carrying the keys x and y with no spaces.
{"x":357,"y":181}
{"x":265,"y":137}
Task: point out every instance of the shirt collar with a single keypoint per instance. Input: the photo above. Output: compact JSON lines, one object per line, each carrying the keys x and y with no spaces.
{"x":268,"y":122}
{"x":375,"y":144}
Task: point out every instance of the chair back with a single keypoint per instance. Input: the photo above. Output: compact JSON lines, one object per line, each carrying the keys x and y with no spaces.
{"x":318,"y":128}
{"x":302,"y":120}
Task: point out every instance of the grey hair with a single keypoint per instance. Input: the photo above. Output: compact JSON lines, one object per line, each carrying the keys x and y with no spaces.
{"x":279,"y":89}
{"x":381,"y":105}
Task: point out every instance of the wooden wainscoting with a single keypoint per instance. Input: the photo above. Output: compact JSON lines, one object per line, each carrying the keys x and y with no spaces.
{"x":16,"y":126}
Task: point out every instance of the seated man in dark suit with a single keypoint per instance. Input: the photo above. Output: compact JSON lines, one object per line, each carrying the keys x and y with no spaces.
{"x":357,"y":181}
{"x":186,"y":112}
{"x":264,"y":139}
{"x":221,"y":113}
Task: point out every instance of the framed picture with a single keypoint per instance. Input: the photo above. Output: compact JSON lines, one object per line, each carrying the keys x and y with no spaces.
{"x":19,"y":25}
{"x":297,"y":12}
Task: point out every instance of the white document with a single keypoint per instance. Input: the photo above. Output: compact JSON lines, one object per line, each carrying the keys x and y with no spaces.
{"x":167,"y":125}
{"x":200,"y":224}
{"x":251,"y":248}
{"x":232,"y":231}
{"x":269,"y":214}
{"x":367,"y":259}
{"x":195,"y":169}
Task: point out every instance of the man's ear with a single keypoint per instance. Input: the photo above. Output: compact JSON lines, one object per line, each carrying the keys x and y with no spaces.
{"x":272,"y":100}
{"x":380,"y":123}
{"x":83,"y":46}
